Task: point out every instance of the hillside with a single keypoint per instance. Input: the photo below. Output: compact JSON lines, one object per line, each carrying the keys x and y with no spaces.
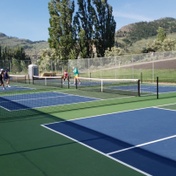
{"x":31,"y":48}
{"x":132,"y":33}
{"x":133,"y":36}
{"x":142,"y":30}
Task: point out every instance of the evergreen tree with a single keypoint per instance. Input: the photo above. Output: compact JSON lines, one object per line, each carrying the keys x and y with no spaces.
{"x":104,"y":27}
{"x":60,"y":31}
{"x":94,"y":17}
{"x":161,"y":34}
{"x":84,"y":22}
{"x":93,"y":26}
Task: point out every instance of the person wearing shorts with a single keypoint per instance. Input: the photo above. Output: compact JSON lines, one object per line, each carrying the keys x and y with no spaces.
{"x":1,"y":79}
{"x":76,"y":75}
{"x":7,"y":77}
{"x":65,"y":76}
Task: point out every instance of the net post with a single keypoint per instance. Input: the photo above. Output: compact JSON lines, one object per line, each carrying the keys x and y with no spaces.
{"x":45,"y":82}
{"x":76,"y":83}
{"x":33,"y":79}
{"x":68,"y":82}
{"x":157,"y":87}
{"x":25,"y":80}
{"x":141,"y":77}
{"x":61,"y":81}
{"x":139,"y":87}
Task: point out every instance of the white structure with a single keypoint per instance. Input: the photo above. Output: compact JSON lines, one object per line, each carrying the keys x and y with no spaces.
{"x":32,"y":71}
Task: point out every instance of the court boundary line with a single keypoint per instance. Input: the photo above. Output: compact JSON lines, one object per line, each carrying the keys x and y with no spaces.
{"x":104,"y":154}
{"x":16,"y":88}
{"x":143,"y":144}
{"x":129,"y":110}
{"x":49,"y":96}
{"x":169,"y":104}
{"x":24,"y":87}
{"x":80,"y":118}
{"x":60,"y":105}
{"x":118,"y":151}
{"x":79,"y":95}
{"x":45,"y":106}
{"x":172,"y":110}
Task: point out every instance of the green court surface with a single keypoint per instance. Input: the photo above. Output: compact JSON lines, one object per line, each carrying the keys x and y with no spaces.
{"x":28,"y":149}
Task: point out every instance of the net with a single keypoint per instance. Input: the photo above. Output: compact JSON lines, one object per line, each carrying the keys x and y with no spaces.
{"x":55,"y":81}
{"x":18,"y":78}
{"x":119,"y":86}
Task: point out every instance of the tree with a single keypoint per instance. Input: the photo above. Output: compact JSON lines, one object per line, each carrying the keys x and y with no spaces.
{"x":161,"y":34}
{"x":94,"y":17}
{"x":104,"y":27}
{"x":11,"y":58}
{"x":61,"y":30}
{"x":82,"y":44}
{"x":115,"y":51}
{"x":93,"y":26}
{"x":84,"y":24}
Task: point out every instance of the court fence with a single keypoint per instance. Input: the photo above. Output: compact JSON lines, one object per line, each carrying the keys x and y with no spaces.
{"x":139,"y":66}
{"x":145,"y":67}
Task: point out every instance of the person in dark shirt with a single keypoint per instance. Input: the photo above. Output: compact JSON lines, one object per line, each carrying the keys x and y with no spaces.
{"x":7,"y":77}
{"x":1,"y":79}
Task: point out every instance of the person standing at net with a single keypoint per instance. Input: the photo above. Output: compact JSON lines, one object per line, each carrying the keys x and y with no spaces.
{"x":1,"y":79}
{"x":65,"y":76}
{"x":76,"y":75}
{"x":7,"y":77}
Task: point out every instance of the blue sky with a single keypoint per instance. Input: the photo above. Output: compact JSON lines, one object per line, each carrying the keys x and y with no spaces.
{"x":29,"y":19}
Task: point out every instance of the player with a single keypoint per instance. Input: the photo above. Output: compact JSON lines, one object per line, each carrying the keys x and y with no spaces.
{"x":1,"y":79}
{"x":7,"y":77}
{"x":65,"y":76}
{"x":76,"y":75}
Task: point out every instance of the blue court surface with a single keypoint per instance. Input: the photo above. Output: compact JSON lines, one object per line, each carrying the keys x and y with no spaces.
{"x":146,"y":88}
{"x":37,"y":100}
{"x":15,"y":88}
{"x":144,"y":140}
{"x":162,"y":88}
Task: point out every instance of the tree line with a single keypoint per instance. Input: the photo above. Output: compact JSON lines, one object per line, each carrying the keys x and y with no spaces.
{"x":14,"y":59}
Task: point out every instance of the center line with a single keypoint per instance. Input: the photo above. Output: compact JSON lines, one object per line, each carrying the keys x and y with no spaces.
{"x":140,"y":145}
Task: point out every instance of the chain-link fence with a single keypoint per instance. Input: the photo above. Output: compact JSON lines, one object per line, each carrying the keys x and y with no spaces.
{"x":15,"y":66}
{"x":142,"y":66}
{"x":145,"y":67}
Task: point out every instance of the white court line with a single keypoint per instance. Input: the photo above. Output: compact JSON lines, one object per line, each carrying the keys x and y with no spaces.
{"x":47,"y":97}
{"x":51,"y":105}
{"x":165,"y":109}
{"x":27,"y":99}
{"x":85,"y":145}
{"x":141,"y":145}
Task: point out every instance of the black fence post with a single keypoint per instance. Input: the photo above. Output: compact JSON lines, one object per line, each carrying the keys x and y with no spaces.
{"x":139,"y":88}
{"x":76,"y":82}
{"x":61,"y":81}
{"x":68,"y":82}
{"x":157,"y":87}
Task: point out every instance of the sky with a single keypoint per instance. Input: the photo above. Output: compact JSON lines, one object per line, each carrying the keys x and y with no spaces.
{"x":29,"y":19}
